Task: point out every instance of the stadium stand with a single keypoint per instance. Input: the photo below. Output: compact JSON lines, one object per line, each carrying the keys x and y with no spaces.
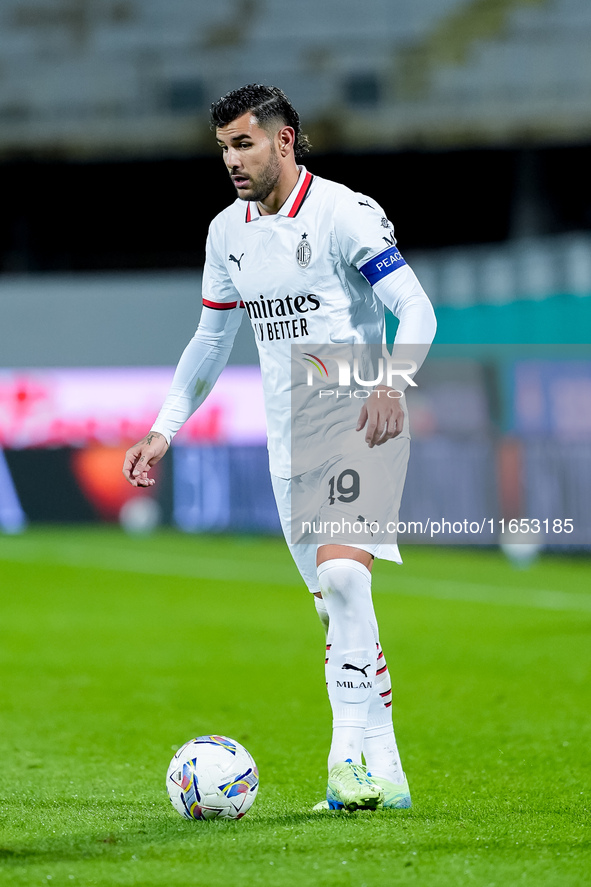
{"x":104,"y":77}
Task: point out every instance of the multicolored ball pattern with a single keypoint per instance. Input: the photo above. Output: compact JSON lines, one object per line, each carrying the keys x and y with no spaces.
{"x":212,"y":776}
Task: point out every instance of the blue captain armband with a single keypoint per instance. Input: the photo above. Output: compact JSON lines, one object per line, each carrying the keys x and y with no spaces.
{"x":382,"y":265}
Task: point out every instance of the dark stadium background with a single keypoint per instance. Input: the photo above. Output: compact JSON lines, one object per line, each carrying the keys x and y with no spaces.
{"x":140,"y":214}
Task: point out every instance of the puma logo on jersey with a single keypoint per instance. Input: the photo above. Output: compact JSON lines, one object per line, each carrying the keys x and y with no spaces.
{"x":365,"y":523}
{"x":234,"y":259}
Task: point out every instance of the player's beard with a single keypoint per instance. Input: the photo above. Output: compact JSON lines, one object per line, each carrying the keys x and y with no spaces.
{"x":266,"y":181}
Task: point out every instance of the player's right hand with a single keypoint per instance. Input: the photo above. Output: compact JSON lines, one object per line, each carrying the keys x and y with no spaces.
{"x":141,"y":457}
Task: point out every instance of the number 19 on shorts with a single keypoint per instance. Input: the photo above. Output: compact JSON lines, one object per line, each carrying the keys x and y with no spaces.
{"x":344,"y":488}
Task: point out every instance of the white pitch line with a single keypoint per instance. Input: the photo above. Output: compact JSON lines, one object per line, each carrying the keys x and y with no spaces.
{"x":196,"y":567}
{"x":505,"y":596}
{"x":147,"y":562}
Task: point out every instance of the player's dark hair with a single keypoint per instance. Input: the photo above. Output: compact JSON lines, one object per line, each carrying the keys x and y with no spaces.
{"x":266,"y":103}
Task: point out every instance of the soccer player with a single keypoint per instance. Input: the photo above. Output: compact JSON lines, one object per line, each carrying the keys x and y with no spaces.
{"x":309,"y":261}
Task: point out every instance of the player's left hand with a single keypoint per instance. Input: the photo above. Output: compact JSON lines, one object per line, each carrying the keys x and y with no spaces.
{"x":381,"y":416}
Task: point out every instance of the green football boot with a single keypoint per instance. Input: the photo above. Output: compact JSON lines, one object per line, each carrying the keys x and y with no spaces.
{"x":350,"y":788}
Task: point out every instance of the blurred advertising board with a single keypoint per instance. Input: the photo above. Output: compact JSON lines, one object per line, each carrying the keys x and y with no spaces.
{"x":80,"y":407}
{"x":552,"y":398}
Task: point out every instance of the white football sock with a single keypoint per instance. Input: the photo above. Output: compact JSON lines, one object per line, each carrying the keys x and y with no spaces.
{"x":351,"y":653}
{"x":379,"y":744}
{"x":322,"y":612}
{"x":380,"y":750}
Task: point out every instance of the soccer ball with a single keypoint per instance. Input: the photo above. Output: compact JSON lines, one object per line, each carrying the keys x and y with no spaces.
{"x":212,"y":776}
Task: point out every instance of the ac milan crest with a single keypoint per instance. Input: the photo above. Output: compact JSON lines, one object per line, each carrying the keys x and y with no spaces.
{"x":304,"y":252}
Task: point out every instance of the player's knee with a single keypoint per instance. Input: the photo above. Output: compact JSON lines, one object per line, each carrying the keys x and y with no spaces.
{"x":346,"y":584}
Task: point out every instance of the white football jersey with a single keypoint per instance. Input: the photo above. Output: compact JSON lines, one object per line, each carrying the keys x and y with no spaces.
{"x":303,"y":276}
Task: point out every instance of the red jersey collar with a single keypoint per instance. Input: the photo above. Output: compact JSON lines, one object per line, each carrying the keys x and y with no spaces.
{"x":292,"y":205}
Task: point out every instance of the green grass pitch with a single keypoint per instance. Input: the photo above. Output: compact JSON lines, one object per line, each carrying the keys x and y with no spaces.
{"x":114,"y":651}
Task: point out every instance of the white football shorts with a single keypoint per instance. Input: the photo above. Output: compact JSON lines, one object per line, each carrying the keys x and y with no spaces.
{"x":352,"y":499}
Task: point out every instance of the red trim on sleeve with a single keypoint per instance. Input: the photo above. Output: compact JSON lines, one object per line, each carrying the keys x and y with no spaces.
{"x":301,"y":196}
{"x":221,"y":306}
